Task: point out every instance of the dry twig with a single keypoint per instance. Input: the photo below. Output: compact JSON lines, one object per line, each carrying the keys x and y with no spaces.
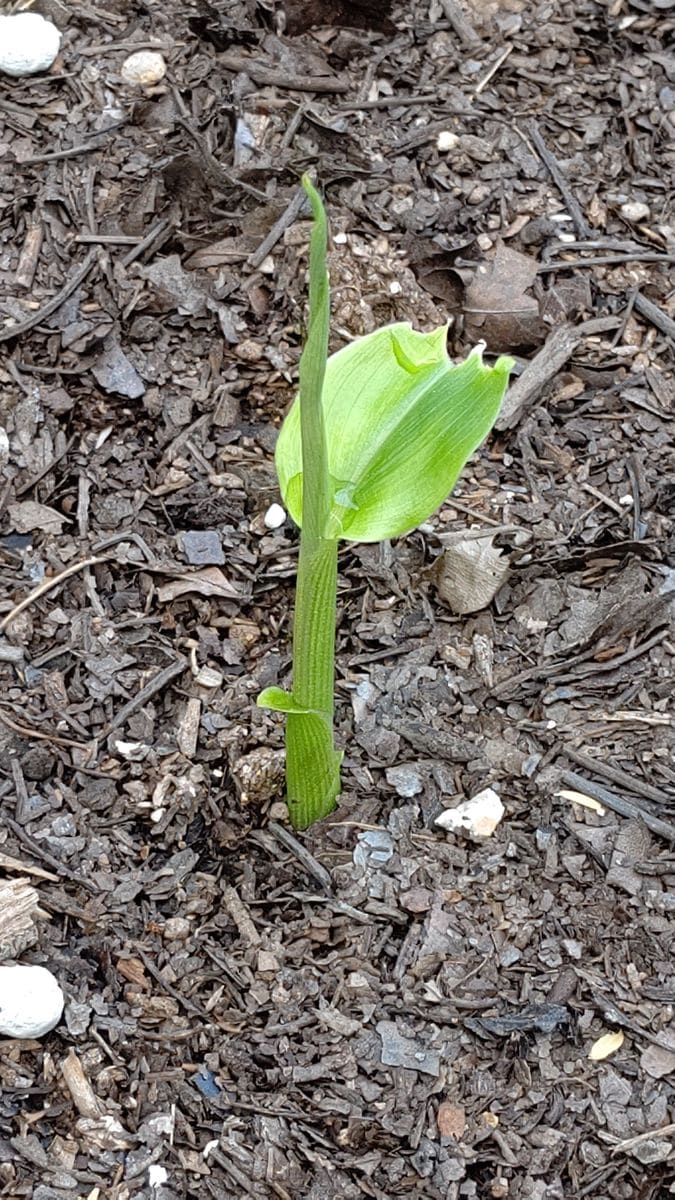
{"x":460,"y":22}
{"x":41,"y":314}
{"x":46,"y":586}
{"x":581,"y":226}
{"x":557,"y":349}
{"x":618,"y":804}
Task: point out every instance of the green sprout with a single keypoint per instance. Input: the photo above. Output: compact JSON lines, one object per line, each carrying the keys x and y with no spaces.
{"x":371,"y":447}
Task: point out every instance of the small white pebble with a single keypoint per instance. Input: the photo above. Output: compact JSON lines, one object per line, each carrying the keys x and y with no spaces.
{"x":144,"y":67}
{"x":274,"y":517}
{"x":157,"y":1175}
{"x":28,"y":44}
{"x":132,"y":751}
{"x":395,"y":288}
{"x":340,"y":239}
{"x":626,"y":501}
{"x":634,"y":211}
{"x":446,"y":141}
{"x":31,"y":1001}
{"x":479,"y":816}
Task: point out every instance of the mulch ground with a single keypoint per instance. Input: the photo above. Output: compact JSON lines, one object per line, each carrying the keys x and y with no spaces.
{"x":376,"y":1008}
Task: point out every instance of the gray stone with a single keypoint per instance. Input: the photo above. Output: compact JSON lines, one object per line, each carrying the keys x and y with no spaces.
{"x":202,"y":547}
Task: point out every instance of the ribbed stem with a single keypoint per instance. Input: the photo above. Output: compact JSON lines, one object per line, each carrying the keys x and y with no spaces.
{"x":314,"y":624}
{"x":312,"y":764}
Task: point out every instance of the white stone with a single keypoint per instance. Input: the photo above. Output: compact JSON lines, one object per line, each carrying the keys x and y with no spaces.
{"x":634,"y":211}
{"x":446,"y":140}
{"x":274,"y":517}
{"x":132,"y":751}
{"x":478,"y":817}
{"x":144,"y":68}
{"x":31,"y":1001}
{"x":28,"y":44}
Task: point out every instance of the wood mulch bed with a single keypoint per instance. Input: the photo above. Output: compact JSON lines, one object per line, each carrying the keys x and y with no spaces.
{"x":374,"y":1008}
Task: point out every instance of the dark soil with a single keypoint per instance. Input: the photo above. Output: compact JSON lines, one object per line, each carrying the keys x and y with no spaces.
{"x":376,"y":1008}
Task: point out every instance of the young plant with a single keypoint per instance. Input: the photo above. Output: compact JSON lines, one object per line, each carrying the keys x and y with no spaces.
{"x":370,"y":448}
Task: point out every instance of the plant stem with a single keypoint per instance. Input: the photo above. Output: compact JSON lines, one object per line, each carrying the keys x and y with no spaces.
{"x":314,"y":625}
{"x":312,"y":764}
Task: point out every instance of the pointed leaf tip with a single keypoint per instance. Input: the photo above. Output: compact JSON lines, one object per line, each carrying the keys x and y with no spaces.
{"x":314,"y":197}
{"x":504,"y":364}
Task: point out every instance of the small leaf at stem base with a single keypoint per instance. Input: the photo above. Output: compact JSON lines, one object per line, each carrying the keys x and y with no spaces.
{"x":278,"y":700}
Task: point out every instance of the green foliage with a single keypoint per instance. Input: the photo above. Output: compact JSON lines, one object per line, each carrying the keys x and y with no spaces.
{"x":373,"y":444}
{"x":400,"y":423}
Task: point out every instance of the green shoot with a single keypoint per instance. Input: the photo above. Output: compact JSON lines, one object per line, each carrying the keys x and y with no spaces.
{"x":373,"y":444}
{"x":312,"y":763}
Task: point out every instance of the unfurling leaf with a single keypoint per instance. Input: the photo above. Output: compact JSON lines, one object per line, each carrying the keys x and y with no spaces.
{"x":400,"y":421}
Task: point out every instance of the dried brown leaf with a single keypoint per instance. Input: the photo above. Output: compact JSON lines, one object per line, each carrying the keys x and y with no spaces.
{"x":209,"y":582}
{"x":469,"y":573}
{"x":497,"y":307}
{"x":659,"y":1061}
{"x":29,"y":515}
